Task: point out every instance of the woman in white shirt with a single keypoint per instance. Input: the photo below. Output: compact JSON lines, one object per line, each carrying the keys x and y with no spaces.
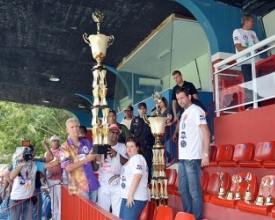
{"x":133,"y":182}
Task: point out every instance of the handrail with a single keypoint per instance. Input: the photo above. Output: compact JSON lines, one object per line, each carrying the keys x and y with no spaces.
{"x":252,"y":51}
{"x":244,"y":52}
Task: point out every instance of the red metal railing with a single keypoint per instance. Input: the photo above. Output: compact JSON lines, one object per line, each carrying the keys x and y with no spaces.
{"x":76,"y":207}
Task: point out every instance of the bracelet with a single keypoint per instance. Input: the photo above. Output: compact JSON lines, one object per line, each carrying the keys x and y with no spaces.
{"x":98,"y":162}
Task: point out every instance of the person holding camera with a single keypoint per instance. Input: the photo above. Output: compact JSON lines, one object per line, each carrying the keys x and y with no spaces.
{"x":109,"y":172}
{"x":23,"y":177}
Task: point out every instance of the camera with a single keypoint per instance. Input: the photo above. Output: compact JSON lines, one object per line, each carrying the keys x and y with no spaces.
{"x":27,"y":154}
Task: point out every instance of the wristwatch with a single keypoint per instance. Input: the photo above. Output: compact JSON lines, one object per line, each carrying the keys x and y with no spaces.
{"x":205,"y":154}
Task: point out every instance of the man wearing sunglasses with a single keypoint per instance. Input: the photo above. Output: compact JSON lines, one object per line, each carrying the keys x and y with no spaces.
{"x":109,"y":172}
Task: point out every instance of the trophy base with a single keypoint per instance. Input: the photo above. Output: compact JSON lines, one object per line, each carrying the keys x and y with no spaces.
{"x":100,"y":149}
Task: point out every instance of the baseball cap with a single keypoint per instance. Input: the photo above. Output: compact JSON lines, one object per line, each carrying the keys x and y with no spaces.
{"x":114,"y":127}
{"x":142,"y":104}
{"x":54,"y":138}
{"x":129,"y":108}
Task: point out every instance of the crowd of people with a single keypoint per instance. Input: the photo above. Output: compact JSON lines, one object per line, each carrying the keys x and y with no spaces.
{"x":123,"y":174}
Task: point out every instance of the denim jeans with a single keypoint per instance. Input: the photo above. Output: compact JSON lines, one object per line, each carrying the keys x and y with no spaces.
{"x":90,"y":195}
{"x":37,"y":205}
{"x":190,"y":187}
{"x":23,"y":210}
{"x":133,"y":212}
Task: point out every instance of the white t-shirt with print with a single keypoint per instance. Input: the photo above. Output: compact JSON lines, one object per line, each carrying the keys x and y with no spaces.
{"x":24,"y":184}
{"x":136,"y":165}
{"x":246,"y":38}
{"x":105,"y":168}
{"x":190,"y":143}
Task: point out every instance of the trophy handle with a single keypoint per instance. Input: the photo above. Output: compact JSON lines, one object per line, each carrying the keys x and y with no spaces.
{"x":110,"y":41}
{"x":145,"y":118}
{"x":86,"y":39}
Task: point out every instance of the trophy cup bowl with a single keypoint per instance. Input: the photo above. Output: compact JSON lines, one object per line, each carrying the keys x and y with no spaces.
{"x":157,"y":125}
{"x":99,"y":44}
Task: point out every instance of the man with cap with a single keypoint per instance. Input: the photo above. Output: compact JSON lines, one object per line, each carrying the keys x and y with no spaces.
{"x":125,"y":131}
{"x":54,"y":177}
{"x":143,"y":133}
{"x":128,"y":113}
{"x":109,"y":172}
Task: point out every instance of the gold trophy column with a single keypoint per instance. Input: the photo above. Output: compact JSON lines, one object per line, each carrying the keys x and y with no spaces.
{"x":99,"y":44}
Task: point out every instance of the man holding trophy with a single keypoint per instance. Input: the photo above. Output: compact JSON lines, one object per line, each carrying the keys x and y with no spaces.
{"x":193,"y":144}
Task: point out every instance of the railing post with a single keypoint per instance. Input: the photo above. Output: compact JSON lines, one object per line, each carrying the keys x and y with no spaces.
{"x":217,"y":97}
{"x":254,"y":81}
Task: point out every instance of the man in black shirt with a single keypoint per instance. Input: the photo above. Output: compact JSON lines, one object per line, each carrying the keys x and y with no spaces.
{"x":177,"y":110}
{"x":143,"y":133}
{"x":177,"y":76}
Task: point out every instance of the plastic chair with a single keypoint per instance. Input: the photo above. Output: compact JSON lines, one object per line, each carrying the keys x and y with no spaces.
{"x":148,"y":212}
{"x":173,"y":189}
{"x":204,"y":179}
{"x":212,"y":152}
{"x":259,"y":209}
{"x":243,"y":187}
{"x":241,"y":152}
{"x":164,"y":213}
{"x":171,"y":175}
{"x":265,"y":151}
{"x":184,"y":216}
{"x":214,"y":184}
{"x":224,"y":152}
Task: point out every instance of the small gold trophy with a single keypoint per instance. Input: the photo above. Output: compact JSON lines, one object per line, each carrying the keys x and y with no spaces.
{"x":248,"y":196}
{"x":269,"y":183}
{"x":221,"y":191}
{"x":260,"y":198}
{"x":230,"y":193}
{"x":238,"y":193}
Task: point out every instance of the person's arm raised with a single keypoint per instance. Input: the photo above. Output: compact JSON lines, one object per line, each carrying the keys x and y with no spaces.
{"x":73,"y":166}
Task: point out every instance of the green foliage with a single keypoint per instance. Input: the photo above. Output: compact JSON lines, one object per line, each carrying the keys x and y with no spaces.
{"x":20,"y":122}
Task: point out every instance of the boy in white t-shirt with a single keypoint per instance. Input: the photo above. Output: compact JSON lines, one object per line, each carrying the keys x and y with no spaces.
{"x":193,"y":144}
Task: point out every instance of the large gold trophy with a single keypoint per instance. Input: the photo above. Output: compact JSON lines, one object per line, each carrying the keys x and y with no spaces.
{"x":157,"y":123}
{"x":99,"y":44}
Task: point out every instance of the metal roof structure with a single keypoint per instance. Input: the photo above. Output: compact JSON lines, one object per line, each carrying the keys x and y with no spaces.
{"x":44,"y":38}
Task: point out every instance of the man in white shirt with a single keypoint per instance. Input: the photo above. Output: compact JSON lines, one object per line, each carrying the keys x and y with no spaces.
{"x":128,"y":113}
{"x":193,"y":146}
{"x":109,"y":172}
{"x":243,"y":38}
